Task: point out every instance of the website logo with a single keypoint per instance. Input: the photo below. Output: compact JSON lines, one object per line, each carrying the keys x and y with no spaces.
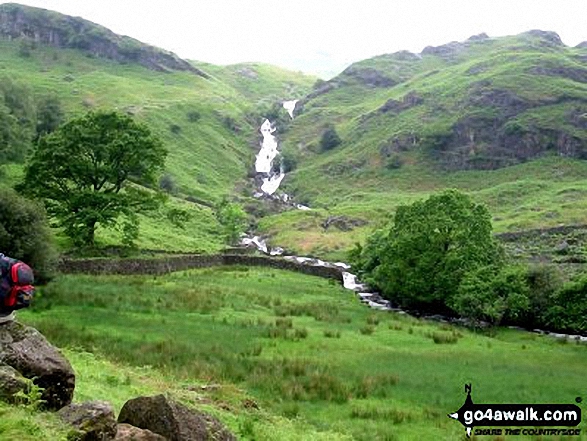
{"x":472,"y":415}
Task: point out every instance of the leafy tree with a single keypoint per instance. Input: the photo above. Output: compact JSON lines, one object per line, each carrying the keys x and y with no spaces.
{"x":49,"y":115}
{"x":329,"y":139}
{"x":492,"y":295}
{"x":429,"y":248}
{"x":568,"y":311}
{"x":25,"y":234}
{"x":233,"y":220}
{"x":17,"y":120}
{"x":83,"y":173}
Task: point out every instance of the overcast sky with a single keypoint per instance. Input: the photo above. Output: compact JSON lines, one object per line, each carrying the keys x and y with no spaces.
{"x":319,"y":36}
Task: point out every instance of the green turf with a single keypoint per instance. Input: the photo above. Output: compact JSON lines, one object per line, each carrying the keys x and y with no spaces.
{"x":305,"y":349}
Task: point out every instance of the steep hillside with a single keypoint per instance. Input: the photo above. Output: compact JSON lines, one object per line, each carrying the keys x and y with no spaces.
{"x":40,"y":26}
{"x":205,"y":120}
{"x":414,"y":123}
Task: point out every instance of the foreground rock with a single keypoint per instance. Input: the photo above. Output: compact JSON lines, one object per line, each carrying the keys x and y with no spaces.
{"x":11,"y":382}
{"x":126,"y":432}
{"x":172,"y":420}
{"x":28,"y":352}
{"x":93,"y":420}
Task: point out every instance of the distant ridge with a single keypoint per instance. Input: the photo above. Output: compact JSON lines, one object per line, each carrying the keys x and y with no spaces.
{"x":63,"y":31}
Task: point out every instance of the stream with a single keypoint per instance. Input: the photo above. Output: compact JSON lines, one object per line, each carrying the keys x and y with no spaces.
{"x":271,"y":179}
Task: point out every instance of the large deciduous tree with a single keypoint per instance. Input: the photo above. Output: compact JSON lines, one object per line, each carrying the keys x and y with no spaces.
{"x":84,"y":170}
{"x":421,"y":260}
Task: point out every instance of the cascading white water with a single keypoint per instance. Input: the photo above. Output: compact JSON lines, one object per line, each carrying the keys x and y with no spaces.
{"x":290,"y":107}
{"x":264,"y":164}
{"x":265,"y":157}
{"x":271,"y":182}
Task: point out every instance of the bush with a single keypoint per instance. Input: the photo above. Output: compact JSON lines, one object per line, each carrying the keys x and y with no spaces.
{"x":329,"y":139}
{"x":491,"y":294}
{"x":193,"y":116}
{"x":568,"y":311}
{"x":544,"y":281}
{"x":25,"y":234}
{"x":394,"y":162}
{"x":167,"y":184}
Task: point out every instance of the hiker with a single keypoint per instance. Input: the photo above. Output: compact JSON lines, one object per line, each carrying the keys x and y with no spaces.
{"x":16,"y":287}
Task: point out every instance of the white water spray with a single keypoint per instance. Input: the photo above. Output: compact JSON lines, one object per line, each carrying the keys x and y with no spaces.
{"x":290,"y":107}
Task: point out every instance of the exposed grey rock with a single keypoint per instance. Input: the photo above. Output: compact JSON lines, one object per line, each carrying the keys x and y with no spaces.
{"x":126,"y":432}
{"x":63,"y":31}
{"x":562,"y":247}
{"x":93,"y":420}
{"x":248,"y":73}
{"x":479,"y":37}
{"x":28,"y":351}
{"x":408,"y":101}
{"x":343,"y":223}
{"x":446,"y":51}
{"x":549,"y":37}
{"x":11,"y":382}
{"x":369,"y":76}
{"x":172,"y":420}
{"x":572,"y":73}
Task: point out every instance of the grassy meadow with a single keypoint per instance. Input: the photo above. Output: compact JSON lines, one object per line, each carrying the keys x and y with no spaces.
{"x":316,"y":363}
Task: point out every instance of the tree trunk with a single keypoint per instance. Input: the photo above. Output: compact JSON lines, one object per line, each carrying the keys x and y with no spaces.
{"x":90,"y":232}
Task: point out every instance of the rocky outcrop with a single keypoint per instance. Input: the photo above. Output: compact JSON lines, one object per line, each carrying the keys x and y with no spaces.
{"x":479,"y":37}
{"x":572,"y":73}
{"x":126,"y":432}
{"x":28,"y":352}
{"x":447,"y":51}
{"x":63,"y":31}
{"x":369,"y":76}
{"x":410,"y":100}
{"x":548,"y":38}
{"x":172,"y":420}
{"x":343,"y":223}
{"x":91,"y":421}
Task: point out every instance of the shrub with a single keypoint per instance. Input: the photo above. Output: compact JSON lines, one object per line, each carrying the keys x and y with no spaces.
{"x":25,"y":234}
{"x":444,"y":338}
{"x":394,"y":162}
{"x":492,"y":295}
{"x":175,"y":129}
{"x":331,"y":334}
{"x":329,"y":139}
{"x":193,"y":116}
{"x":568,"y":311}
{"x":167,"y":184}
{"x":367,"y":330}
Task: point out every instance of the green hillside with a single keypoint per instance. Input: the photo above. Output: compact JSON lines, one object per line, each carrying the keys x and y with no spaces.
{"x":207,"y":120}
{"x":502,"y":118}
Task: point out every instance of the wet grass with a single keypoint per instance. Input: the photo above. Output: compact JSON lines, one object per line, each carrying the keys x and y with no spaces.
{"x":295,"y":344}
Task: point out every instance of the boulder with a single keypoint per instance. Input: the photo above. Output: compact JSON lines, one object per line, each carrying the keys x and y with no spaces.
{"x":11,"y":382}
{"x":93,"y":420}
{"x":126,"y":432}
{"x":172,"y":420}
{"x":27,"y":351}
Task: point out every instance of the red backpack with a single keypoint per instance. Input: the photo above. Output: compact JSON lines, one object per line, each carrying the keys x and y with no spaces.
{"x":16,"y":284}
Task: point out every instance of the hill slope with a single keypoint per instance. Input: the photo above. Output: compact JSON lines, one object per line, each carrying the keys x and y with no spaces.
{"x":450,"y":116}
{"x":205,"y":120}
